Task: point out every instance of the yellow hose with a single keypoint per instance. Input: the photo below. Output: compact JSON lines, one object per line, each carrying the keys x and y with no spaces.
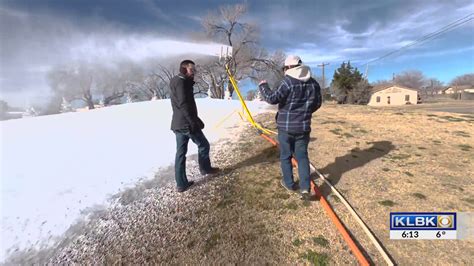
{"x":248,"y":115}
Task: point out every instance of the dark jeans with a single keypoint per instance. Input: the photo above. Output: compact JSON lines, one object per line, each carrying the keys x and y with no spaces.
{"x":294,"y":145}
{"x":182,"y":139}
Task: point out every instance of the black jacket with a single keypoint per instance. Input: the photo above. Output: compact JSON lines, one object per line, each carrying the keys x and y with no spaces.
{"x":185,"y":114}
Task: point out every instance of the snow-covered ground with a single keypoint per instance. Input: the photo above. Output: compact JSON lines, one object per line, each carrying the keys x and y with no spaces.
{"x":52,"y":167}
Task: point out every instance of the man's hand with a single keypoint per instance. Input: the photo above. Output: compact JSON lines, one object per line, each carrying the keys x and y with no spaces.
{"x":195,"y":127}
{"x":262,"y":82}
{"x":200,"y":123}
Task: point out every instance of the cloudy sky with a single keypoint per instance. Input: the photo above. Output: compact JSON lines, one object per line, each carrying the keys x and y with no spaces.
{"x":36,"y":35}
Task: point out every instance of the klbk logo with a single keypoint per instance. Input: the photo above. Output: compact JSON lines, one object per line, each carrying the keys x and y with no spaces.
{"x":420,"y":220}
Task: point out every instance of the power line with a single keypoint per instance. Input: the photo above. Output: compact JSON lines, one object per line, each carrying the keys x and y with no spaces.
{"x":443,"y":28}
{"x":427,"y":37}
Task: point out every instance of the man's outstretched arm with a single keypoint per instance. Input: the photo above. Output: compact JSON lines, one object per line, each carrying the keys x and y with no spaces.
{"x":273,"y":97}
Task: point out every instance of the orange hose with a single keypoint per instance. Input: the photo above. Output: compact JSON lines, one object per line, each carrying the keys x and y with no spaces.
{"x":330,"y":212}
{"x":352,"y":245}
{"x":269,"y":139}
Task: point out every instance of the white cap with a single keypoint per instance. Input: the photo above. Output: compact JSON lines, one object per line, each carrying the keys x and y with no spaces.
{"x":292,"y":60}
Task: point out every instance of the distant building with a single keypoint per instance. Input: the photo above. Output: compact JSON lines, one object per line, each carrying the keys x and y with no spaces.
{"x":459,"y":89}
{"x":449,"y":90}
{"x":392,"y":95}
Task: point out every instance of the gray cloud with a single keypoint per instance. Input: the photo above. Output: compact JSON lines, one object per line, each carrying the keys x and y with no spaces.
{"x":32,"y":43}
{"x":356,"y":30}
{"x":37,"y":34}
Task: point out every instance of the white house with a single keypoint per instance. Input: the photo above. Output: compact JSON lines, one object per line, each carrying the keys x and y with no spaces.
{"x":392,"y":95}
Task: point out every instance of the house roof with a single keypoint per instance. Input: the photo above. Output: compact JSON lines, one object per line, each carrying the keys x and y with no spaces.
{"x":386,"y":86}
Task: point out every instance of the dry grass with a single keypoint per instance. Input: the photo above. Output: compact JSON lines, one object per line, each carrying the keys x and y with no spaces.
{"x":412,"y":160}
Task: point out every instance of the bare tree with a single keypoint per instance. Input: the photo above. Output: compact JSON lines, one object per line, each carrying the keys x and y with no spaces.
{"x":412,"y":79}
{"x":83,"y":76}
{"x":110,"y":83}
{"x":165,"y":75}
{"x":269,"y":67}
{"x":143,"y":89}
{"x":226,"y":26}
{"x":211,"y":78}
{"x":381,"y":83}
{"x":160,"y":85}
{"x":113,"y":83}
{"x":434,"y":85}
{"x":148,"y":83}
{"x":73,"y":82}
{"x":153,"y":87}
{"x":463,"y":80}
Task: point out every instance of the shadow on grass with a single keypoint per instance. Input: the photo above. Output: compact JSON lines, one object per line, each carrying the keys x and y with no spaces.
{"x":354,"y":159}
{"x":268,"y":155}
{"x":334,"y":171}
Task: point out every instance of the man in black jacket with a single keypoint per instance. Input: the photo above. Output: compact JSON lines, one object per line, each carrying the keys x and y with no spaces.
{"x":187,"y":125}
{"x":298,"y":97}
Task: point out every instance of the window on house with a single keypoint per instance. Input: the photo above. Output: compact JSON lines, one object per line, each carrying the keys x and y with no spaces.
{"x":407,"y":98}
{"x":388,"y":100}
{"x":378,"y":99}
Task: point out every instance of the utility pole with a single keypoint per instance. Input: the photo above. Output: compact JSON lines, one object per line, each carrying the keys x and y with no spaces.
{"x":432,"y":89}
{"x":323,"y":65}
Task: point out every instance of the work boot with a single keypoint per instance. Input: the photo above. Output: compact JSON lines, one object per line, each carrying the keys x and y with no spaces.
{"x":182,"y":189}
{"x":211,"y":171}
{"x":305,"y":195}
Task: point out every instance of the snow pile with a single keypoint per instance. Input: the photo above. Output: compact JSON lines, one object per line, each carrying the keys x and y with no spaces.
{"x":52,"y":167}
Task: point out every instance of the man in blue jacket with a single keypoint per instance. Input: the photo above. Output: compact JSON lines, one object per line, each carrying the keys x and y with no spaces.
{"x":298,"y":97}
{"x":187,"y":125}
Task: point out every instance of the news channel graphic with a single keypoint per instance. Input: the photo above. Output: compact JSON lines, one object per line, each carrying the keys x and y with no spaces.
{"x":431,"y":225}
